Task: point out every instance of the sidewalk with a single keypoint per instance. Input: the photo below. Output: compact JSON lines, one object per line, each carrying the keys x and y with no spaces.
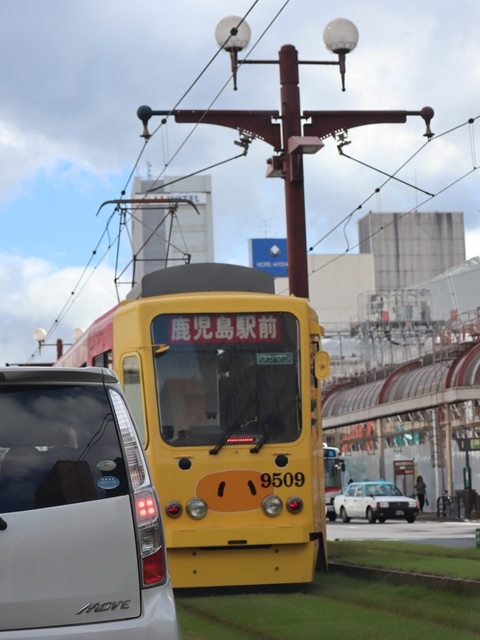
{"x":432,"y":516}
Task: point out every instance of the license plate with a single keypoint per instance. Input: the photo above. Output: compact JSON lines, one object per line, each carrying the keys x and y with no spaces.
{"x":399,"y":513}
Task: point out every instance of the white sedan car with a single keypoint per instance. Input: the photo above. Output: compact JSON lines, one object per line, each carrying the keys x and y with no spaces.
{"x":375,"y":501}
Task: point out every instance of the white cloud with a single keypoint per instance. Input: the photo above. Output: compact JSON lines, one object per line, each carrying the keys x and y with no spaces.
{"x":33,"y":294}
{"x":74,"y":73}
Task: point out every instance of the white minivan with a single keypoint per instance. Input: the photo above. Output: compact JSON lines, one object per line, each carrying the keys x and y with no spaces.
{"x":82,"y":552}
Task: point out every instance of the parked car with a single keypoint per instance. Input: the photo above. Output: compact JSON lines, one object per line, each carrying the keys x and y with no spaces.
{"x":82,"y":552}
{"x":375,"y":501}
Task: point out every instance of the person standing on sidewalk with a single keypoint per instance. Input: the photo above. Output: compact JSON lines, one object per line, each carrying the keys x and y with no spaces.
{"x":420,"y":490}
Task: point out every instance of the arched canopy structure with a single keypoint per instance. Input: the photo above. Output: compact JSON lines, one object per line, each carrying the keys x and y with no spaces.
{"x":411,"y":387}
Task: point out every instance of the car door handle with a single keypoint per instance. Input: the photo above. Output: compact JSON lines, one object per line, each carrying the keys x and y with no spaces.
{"x":3,"y":524}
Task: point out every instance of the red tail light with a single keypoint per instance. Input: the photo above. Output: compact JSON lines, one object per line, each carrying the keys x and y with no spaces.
{"x":153,"y":568}
{"x":295,"y":504}
{"x":146,"y":508}
{"x":174,"y":509}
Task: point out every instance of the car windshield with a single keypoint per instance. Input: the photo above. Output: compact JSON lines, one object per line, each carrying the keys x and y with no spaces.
{"x":227,"y":378}
{"x":383,"y":489}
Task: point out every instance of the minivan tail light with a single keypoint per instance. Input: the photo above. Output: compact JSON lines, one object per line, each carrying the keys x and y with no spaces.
{"x":153,"y":568}
{"x":146,"y":507}
{"x":137,"y":468}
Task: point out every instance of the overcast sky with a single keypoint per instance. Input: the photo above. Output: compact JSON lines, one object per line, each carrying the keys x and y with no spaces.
{"x":72,"y":75}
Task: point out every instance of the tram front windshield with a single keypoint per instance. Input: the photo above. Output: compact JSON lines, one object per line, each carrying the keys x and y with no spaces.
{"x":226,"y":379}
{"x":333,"y":473}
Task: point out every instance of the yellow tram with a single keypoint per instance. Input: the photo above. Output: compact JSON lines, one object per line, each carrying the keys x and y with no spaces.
{"x":222,"y":376}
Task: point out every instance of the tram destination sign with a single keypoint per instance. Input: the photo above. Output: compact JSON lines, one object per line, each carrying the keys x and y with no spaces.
{"x":225,"y":328}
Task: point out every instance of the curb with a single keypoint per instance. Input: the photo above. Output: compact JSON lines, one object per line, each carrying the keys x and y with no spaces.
{"x":438,"y":583}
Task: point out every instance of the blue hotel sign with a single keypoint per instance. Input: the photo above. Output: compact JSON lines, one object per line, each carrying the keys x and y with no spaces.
{"x":269,"y":254}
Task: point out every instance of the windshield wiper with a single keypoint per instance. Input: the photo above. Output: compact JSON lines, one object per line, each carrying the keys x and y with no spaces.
{"x":237,"y":424}
{"x":272,"y":424}
{"x":224,"y":439}
{"x":261,"y":442}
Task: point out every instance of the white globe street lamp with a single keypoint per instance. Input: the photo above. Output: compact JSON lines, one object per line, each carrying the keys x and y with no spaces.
{"x":233,"y":35}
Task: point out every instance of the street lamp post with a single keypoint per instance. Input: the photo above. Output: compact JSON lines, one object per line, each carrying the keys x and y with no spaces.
{"x":40,"y":336}
{"x":289,"y":141}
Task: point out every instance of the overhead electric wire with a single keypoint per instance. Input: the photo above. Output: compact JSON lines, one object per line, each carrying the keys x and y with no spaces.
{"x":471,"y":121}
{"x":206,"y":67}
{"x":180,"y":100}
{"x":189,"y":135}
{"x":219,"y":93}
{"x":377,"y":190}
{"x":400,"y":216}
{"x":76,"y":289}
{"x":348,"y":217}
{"x":70,"y":301}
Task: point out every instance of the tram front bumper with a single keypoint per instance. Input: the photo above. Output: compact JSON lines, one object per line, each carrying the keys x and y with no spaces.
{"x":239,"y":536}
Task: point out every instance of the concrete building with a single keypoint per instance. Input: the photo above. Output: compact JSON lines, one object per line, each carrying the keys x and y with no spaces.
{"x":169,"y":234}
{"x":455,"y":292}
{"x":335,"y":284}
{"x":410,"y":249}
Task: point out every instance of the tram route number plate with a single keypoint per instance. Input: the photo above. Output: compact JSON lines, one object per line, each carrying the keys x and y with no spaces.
{"x":282,"y":479}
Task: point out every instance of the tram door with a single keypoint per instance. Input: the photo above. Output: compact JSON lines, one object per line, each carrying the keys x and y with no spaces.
{"x":403,"y":473}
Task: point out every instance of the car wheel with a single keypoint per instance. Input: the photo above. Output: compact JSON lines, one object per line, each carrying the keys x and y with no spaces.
{"x":371,"y":516}
{"x":343,"y":513}
{"x":381,"y":519}
{"x":411,"y":519}
{"x":332,"y":516}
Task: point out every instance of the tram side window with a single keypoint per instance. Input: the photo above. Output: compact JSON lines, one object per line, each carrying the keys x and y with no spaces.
{"x":104,"y":359}
{"x":132,"y":385}
{"x":314,"y":348}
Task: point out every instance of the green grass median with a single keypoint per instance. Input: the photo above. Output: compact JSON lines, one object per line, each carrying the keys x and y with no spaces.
{"x":338,"y":605}
{"x":426,"y":559}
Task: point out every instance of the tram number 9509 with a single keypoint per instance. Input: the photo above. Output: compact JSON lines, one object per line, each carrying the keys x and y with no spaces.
{"x":282,"y":479}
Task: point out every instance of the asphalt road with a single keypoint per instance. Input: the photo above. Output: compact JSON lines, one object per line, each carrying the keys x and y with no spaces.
{"x":426,"y":529}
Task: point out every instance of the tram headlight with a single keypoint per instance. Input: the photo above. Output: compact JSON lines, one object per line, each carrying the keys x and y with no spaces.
{"x":294,"y":504}
{"x":272,"y":506}
{"x":196,"y":508}
{"x":174,"y":509}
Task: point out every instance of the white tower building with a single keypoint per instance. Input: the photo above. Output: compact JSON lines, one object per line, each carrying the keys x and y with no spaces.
{"x":165,"y":236}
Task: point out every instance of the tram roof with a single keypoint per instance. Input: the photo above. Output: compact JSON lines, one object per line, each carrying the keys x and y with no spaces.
{"x":410,"y":387}
{"x":203,"y":276}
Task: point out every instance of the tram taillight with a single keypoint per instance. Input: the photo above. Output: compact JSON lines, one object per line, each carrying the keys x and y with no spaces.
{"x":295,"y":504}
{"x":174,"y":509}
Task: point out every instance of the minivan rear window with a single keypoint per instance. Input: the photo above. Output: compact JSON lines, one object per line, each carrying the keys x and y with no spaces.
{"x":58,"y":445}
